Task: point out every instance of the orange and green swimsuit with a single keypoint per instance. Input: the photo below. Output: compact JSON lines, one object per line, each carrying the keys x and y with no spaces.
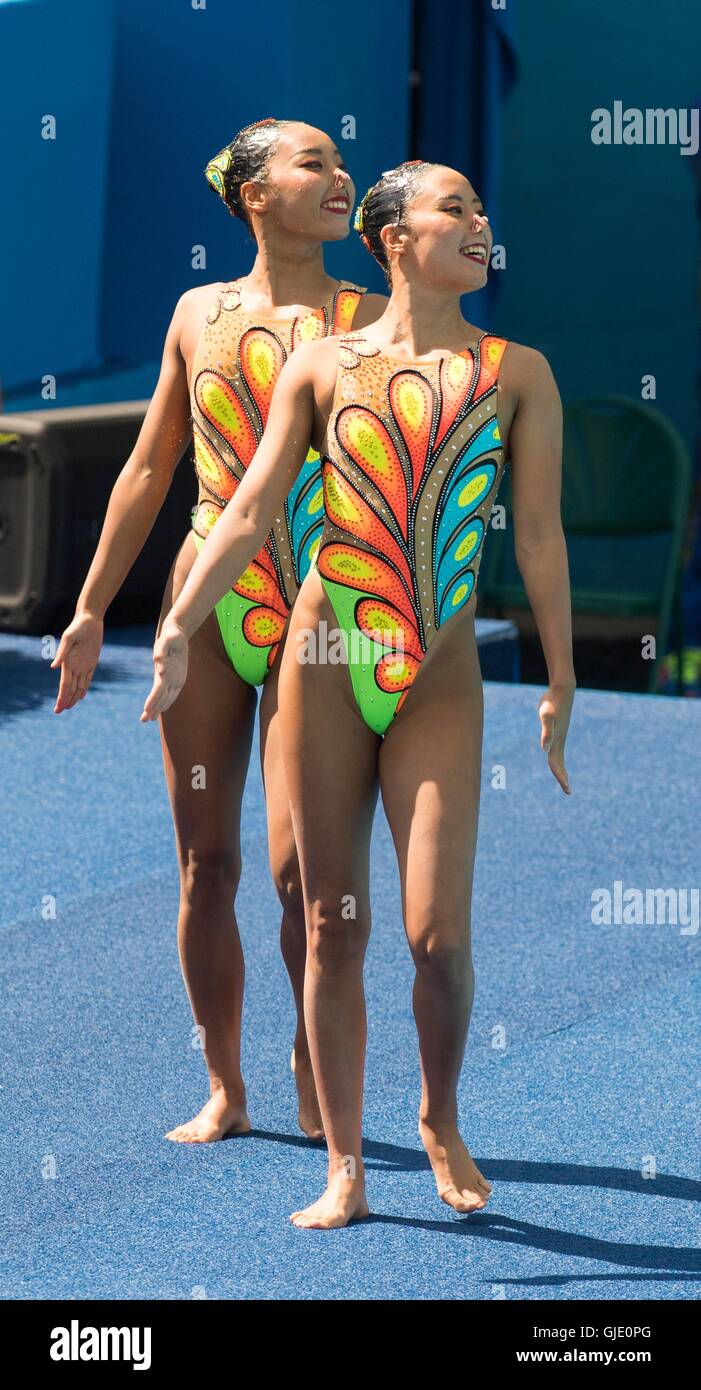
{"x":411,"y":466}
{"x":238,"y":360}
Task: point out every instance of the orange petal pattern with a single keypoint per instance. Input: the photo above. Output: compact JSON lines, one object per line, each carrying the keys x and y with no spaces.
{"x":262,"y":359}
{"x":455,"y":376}
{"x":261,"y":626}
{"x":211,"y":468}
{"x":357,"y":569}
{"x":221,"y":406}
{"x":384,"y":623}
{"x":347,"y":509}
{"x":413,"y":405}
{"x":394,"y":673}
{"x":367,"y":442}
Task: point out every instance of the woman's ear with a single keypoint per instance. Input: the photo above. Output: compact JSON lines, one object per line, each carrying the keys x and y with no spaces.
{"x":394,"y":238}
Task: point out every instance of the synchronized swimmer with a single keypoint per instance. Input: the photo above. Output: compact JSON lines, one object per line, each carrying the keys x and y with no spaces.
{"x":413,"y":415}
{"x":223,"y":355}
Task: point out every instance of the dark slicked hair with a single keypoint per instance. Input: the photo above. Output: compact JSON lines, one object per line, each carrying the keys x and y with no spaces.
{"x":246,"y":157}
{"x":387,"y":201}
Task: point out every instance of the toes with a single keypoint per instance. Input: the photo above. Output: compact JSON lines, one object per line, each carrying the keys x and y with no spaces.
{"x":462,"y":1201}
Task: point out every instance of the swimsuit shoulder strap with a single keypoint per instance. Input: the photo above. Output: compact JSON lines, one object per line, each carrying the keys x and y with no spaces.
{"x":343,"y":304}
{"x":490,"y":351}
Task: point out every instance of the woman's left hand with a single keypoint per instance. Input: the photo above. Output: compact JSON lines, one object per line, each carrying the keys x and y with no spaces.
{"x":170,"y":664}
{"x":554,"y":711}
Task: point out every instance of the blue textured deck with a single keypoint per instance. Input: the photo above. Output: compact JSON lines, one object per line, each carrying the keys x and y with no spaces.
{"x":600,"y":1068}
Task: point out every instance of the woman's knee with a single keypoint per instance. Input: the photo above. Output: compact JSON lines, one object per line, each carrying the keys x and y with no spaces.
{"x":337,"y":934}
{"x":210,"y":875}
{"x":287,"y":878}
{"x":444,"y":955}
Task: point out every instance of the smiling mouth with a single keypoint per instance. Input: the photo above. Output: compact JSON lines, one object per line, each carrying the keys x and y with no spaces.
{"x":477,"y":251}
{"x":339,"y":204}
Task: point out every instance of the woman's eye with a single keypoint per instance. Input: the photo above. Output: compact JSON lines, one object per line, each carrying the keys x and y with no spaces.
{"x":311,"y":164}
{"x":456,"y":208}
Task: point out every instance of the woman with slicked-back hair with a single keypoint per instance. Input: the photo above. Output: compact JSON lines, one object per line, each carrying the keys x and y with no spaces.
{"x":224,"y":352}
{"x":414,"y":418}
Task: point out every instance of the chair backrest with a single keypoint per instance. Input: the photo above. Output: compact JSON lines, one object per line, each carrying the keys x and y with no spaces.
{"x":625,"y":469}
{"x":625,"y":495}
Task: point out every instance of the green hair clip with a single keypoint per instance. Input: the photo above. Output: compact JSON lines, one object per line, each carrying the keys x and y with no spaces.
{"x":216,"y":170}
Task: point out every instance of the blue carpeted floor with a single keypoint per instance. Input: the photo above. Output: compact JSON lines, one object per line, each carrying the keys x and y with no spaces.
{"x":596,"y":1079}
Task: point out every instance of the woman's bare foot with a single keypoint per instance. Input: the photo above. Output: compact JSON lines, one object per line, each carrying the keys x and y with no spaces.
{"x":308,"y":1113}
{"x":225,"y":1113}
{"x":458,"y":1179}
{"x":343,"y":1201}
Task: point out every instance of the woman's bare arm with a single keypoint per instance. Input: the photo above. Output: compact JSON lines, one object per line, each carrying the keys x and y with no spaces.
{"x":535,"y":448}
{"x":142,"y":485}
{"x":134,"y":504}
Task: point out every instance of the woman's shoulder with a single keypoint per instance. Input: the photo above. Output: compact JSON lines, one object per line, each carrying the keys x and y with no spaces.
{"x":199,"y":294}
{"x":528,"y":357}
{"x":523,"y":364}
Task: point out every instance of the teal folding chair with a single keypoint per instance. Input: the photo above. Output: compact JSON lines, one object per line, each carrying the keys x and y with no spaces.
{"x":625,"y":497}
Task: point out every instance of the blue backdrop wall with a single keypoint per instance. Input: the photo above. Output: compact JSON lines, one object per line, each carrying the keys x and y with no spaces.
{"x":99,"y":230}
{"x":56,"y":61}
{"x":98,"y":225}
{"x":602,"y":240}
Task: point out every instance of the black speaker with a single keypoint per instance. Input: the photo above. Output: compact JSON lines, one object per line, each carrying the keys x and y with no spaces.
{"x":57,"y":469}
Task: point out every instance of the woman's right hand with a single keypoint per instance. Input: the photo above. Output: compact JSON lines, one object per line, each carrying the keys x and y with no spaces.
{"x":78,"y":654}
{"x":170,"y":657}
{"x":555,"y":711}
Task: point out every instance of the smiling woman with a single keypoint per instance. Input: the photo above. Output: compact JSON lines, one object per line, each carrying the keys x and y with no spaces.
{"x":386,"y":203}
{"x":224,"y":353}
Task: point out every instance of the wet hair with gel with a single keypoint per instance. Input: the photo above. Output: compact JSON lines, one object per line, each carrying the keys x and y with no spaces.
{"x":387,"y":202}
{"x":246,"y":157}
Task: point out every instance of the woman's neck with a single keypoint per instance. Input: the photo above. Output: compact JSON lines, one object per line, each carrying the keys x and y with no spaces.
{"x":420,"y":318}
{"x":279,"y":279}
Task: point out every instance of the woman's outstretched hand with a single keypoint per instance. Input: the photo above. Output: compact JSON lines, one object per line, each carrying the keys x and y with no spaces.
{"x":554,"y":711}
{"x":170,"y":666}
{"x":77,"y":656}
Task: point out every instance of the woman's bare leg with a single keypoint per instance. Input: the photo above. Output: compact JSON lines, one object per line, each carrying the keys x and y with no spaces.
{"x":284,"y":866}
{"x":331,"y":769}
{"x":206,"y":739}
{"x":430,"y":790}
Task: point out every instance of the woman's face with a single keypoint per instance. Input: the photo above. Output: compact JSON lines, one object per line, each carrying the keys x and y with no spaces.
{"x":307,"y":190}
{"x":449,"y":238}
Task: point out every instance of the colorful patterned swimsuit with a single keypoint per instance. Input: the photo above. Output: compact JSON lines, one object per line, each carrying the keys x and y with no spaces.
{"x":238,"y":360}
{"x":412,"y":464}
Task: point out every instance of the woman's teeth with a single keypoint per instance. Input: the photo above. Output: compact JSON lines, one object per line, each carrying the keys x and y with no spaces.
{"x":336,"y":205}
{"x":475,"y":253}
